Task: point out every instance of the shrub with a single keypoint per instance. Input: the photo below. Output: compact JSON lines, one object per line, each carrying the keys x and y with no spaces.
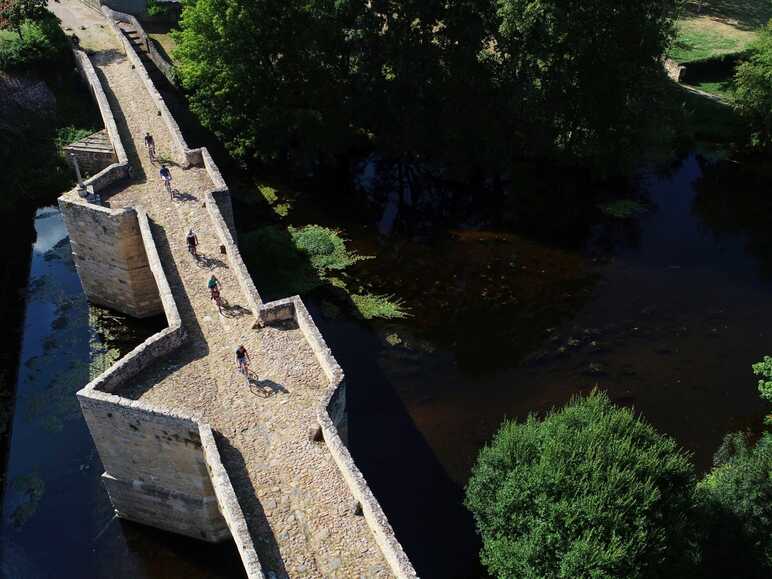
{"x":155,"y":8}
{"x":41,"y":42}
{"x":753,"y":92}
{"x":589,"y":491}
{"x":735,"y":500}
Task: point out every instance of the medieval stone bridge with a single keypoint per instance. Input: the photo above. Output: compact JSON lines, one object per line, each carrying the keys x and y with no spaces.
{"x":186,"y":444}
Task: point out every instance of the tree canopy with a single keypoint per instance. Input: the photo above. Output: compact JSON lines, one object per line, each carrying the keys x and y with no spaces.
{"x":470,"y":84}
{"x":13,"y":13}
{"x":753,"y":89}
{"x":589,"y":491}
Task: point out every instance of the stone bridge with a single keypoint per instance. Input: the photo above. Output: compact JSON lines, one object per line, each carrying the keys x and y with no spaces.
{"x":187,"y":445}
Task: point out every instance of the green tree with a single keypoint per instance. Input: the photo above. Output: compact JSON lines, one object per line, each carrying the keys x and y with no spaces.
{"x":753,"y":92}
{"x":13,"y":13}
{"x":581,"y":75}
{"x":735,"y":500}
{"x":589,"y":491}
{"x":267,"y":77}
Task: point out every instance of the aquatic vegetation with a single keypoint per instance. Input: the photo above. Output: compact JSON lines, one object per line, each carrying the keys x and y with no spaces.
{"x":271,"y":197}
{"x":371,"y":306}
{"x":622,"y":209}
{"x":325,"y":248}
{"x":31,"y":487}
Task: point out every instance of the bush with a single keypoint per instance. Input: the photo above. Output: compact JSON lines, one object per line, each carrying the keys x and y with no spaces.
{"x":735,"y":500}
{"x":753,"y":92}
{"x":590,"y":491}
{"x":41,"y":42}
{"x":155,"y":8}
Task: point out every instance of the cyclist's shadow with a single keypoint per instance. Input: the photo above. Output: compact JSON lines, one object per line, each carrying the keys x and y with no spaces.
{"x":264,"y":388}
{"x":183,"y":195}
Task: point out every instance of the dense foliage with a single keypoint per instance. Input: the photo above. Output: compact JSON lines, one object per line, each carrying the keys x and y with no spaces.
{"x":753,"y":89}
{"x":763,"y":369}
{"x":590,"y":491}
{"x":471,"y":85}
{"x":735,"y":500}
{"x":14,"y":13}
{"x":38,"y":42}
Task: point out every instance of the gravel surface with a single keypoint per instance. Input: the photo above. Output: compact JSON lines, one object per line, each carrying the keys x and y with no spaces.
{"x":298,"y":507}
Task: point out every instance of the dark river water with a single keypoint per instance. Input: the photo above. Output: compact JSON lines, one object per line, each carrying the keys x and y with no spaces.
{"x":666,"y":312}
{"x":57,"y":521}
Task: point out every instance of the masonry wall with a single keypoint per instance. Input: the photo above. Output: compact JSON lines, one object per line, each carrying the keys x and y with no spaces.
{"x":91,"y":162}
{"x":110,"y":258}
{"x":155,"y":470}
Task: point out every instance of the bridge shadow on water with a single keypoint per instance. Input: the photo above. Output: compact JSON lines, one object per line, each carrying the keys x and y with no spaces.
{"x":423,"y":504}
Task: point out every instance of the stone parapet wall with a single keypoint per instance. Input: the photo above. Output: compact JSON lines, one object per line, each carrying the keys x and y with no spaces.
{"x":229,"y":504}
{"x":166,"y":67}
{"x":181,"y":152}
{"x":120,"y":169}
{"x":331,"y":414}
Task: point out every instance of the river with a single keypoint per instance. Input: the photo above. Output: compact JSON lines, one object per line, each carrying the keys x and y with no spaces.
{"x":666,"y":312}
{"x":57,"y":521}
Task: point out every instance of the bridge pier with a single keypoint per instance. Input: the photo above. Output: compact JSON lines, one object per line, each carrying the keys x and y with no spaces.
{"x":156,"y":472}
{"x":110,"y":258}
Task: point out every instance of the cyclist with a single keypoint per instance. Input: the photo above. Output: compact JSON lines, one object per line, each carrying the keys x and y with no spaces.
{"x":192,"y":242}
{"x":150,"y":144}
{"x":242,"y":359}
{"x":214,"y":292}
{"x":213,"y":284}
{"x":166,"y":175}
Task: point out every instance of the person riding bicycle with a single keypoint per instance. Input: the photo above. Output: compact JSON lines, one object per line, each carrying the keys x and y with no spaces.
{"x":166,"y":175}
{"x":242,"y":359}
{"x":214,"y":286}
{"x":192,"y":241}
{"x":150,"y":144}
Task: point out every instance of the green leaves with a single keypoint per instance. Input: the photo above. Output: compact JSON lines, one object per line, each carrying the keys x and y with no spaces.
{"x":753,"y":89}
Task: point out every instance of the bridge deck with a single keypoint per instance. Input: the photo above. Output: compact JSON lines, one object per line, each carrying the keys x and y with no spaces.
{"x":298,"y":507}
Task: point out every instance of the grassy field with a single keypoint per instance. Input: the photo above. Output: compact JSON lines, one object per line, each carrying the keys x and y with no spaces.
{"x":723,"y":89}
{"x":714,"y":27}
{"x":704,"y":37}
{"x":166,"y":42}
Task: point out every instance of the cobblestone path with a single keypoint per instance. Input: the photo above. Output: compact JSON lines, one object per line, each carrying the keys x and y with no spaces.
{"x":298,"y":507}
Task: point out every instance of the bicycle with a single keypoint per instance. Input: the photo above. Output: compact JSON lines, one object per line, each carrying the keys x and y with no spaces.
{"x":151,"y":153}
{"x":244,"y":369}
{"x":168,"y":185}
{"x":217,"y":299}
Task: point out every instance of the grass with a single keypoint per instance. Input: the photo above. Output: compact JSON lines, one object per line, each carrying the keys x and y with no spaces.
{"x":708,"y":120}
{"x":723,"y":89}
{"x":741,"y":14}
{"x":166,"y":42}
{"x":704,"y":37}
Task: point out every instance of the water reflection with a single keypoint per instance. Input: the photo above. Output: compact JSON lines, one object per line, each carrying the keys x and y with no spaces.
{"x":667,"y":313}
{"x":56,"y":518}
